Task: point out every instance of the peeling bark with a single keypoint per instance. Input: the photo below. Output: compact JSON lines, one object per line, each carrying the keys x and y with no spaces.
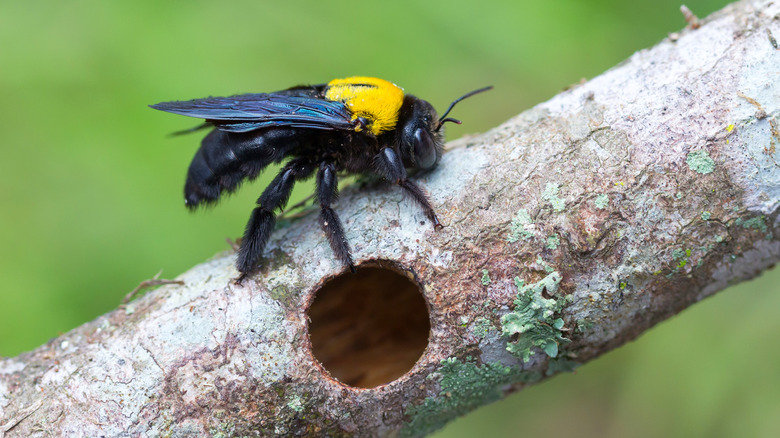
{"x":570,"y":230}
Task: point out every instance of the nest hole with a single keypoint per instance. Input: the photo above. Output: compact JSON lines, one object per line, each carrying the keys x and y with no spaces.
{"x":369,"y":328}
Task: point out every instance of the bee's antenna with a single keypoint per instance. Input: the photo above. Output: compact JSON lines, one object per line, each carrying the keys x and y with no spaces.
{"x":444,"y":117}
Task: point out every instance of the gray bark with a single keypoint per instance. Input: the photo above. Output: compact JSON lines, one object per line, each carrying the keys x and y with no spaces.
{"x":570,"y":230}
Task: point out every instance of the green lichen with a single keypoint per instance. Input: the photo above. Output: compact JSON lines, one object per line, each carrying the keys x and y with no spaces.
{"x":560,"y":365}
{"x":295,"y":403}
{"x":540,"y":262}
{"x":532,"y":324}
{"x":485,"y":277}
{"x":280,"y":293}
{"x":481,"y":327}
{"x":601,"y":201}
{"x":700,"y":161}
{"x":550,"y":194}
{"x":682,"y":256}
{"x":584,"y":324}
{"x":706,"y":215}
{"x":519,"y":228}
{"x":755,"y":223}
{"x":553,"y":241}
{"x":464,"y":386}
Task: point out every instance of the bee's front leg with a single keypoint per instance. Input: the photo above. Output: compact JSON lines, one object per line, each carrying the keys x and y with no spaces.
{"x":390,"y":166}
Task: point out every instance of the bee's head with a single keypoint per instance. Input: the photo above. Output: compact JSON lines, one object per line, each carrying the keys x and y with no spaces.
{"x":422,"y":136}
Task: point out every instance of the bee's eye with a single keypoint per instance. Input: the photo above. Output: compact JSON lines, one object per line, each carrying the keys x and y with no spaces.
{"x":424,"y":149}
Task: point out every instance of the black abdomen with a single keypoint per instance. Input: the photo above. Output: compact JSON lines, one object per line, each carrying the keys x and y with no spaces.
{"x":225,"y":159}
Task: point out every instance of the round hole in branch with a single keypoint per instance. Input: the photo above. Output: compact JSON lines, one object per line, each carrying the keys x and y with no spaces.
{"x":369,"y":328}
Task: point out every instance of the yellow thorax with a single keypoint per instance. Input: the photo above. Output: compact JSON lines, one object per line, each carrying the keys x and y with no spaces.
{"x":377,"y":100}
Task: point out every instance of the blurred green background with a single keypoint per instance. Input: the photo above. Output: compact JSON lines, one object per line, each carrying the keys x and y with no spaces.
{"x":90,"y":186}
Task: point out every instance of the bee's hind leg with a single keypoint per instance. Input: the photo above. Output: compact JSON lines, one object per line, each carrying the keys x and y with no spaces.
{"x":327,"y":192}
{"x":261,"y":222}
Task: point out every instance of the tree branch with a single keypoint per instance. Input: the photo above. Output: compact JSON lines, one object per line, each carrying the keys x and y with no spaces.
{"x":570,"y":230}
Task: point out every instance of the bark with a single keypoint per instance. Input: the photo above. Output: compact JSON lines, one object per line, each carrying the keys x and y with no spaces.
{"x":570,"y":230}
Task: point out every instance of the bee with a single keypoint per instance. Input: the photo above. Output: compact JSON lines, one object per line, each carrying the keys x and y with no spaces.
{"x":357,"y":125}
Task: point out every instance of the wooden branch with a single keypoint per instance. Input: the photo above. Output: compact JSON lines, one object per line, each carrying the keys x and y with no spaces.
{"x":570,"y":230}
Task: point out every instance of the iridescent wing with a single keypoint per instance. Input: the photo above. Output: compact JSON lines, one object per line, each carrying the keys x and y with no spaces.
{"x":248,"y":112}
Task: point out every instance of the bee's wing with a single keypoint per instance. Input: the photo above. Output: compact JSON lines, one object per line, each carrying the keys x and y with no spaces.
{"x":247,"y":112}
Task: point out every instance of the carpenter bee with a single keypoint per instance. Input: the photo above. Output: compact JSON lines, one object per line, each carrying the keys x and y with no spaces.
{"x":357,"y":125}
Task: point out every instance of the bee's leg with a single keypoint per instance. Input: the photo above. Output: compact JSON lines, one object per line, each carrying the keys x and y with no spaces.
{"x":392,"y":168}
{"x":263,"y":218}
{"x":327,"y":192}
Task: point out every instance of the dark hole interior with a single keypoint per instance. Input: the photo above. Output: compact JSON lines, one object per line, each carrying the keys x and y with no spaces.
{"x":369,"y":328}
